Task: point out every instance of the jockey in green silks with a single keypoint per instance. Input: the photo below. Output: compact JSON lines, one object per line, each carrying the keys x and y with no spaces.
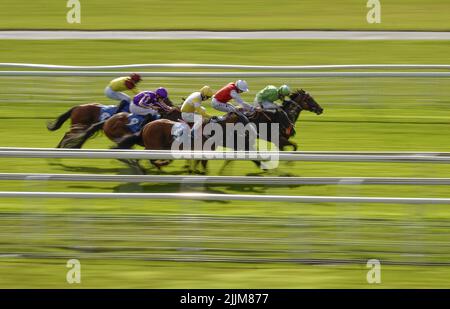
{"x":266,"y":98}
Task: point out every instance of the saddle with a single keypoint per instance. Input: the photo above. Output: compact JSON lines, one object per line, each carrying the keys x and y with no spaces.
{"x":135,"y":122}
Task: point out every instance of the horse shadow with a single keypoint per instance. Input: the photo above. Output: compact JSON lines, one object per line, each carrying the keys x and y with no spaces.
{"x":169,"y":188}
{"x":88,"y":169}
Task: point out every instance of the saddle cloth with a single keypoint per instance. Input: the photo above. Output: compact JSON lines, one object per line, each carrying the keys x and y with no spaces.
{"x":107,"y":111}
{"x":135,"y":122}
{"x":181,"y":132}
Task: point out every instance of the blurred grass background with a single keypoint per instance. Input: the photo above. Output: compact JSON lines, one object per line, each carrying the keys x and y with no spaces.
{"x":230,"y":15}
{"x":375,"y":114}
{"x":262,"y":52}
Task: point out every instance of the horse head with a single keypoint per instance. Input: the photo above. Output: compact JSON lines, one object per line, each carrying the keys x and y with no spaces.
{"x":301,"y":100}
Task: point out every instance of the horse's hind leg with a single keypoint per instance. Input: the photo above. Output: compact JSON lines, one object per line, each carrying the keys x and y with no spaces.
{"x":188,"y":166}
{"x":205,"y":166}
{"x":63,"y":141}
{"x":225,"y":164}
{"x":134,"y":165}
{"x":160,"y":163}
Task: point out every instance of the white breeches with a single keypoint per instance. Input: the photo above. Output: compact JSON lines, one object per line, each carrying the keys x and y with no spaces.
{"x":194,"y":118}
{"x":223,"y":107}
{"x":138,"y":110}
{"x":115,"y":95}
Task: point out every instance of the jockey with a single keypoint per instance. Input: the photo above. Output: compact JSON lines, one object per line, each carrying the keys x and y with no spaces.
{"x":266,"y":98}
{"x":162,"y":95}
{"x":231,"y":91}
{"x":143,"y":104}
{"x":116,"y":86}
{"x":192,"y":110}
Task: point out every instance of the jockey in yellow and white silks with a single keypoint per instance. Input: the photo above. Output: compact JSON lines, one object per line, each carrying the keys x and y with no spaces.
{"x":192,"y":110}
{"x":115,"y":89}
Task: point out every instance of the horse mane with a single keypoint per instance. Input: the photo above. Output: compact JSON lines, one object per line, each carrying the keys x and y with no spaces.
{"x":297,"y":92}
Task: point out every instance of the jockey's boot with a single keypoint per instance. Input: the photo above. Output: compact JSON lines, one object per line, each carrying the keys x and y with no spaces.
{"x":121,"y":106}
{"x":242,"y":117}
{"x":245,"y":121}
{"x":148,"y":118}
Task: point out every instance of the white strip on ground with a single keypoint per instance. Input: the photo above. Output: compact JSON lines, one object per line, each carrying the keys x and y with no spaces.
{"x":185,"y":35}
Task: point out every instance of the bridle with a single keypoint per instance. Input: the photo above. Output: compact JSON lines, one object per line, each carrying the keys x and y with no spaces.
{"x":304,"y":97}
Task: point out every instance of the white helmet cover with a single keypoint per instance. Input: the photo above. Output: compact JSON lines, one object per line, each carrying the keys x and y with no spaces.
{"x":242,"y":85}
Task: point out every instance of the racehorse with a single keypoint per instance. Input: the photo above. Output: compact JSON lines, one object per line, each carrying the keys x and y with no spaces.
{"x":118,"y":127}
{"x":81,"y":117}
{"x":79,"y":134}
{"x":287,"y":116}
{"x":158,"y":135}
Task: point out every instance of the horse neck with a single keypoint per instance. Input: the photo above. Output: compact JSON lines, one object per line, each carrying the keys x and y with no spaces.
{"x":296,"y":116}
{"x":168,"y":102}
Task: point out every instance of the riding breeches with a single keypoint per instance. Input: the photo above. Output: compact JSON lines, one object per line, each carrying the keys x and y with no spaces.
{"x":223,"y":107}
{"x":115,"y":95}
{"x":267,"y":105}
{"x":138,"y":110}
{"x":194,"y":118}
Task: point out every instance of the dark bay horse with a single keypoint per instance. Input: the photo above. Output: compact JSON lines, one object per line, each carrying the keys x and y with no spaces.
{"x":286,"y":116}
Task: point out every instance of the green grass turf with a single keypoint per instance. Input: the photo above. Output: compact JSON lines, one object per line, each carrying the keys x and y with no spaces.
{"x":261,"y":52}
{"x":382,"y":114}
{"x":232,"y":15}
{"x":158,"y":275}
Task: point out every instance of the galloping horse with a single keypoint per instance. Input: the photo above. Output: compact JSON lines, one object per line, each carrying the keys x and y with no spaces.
{"x":287,"y":117}
{"x":157,"y":135}
{"x":81,"y":117}
{"x":117,"y":127}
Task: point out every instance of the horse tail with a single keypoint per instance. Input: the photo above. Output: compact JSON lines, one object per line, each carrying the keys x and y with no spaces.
{"x":129,"y":141}
{"x":78,"y":142}
{"x":58,"y":122}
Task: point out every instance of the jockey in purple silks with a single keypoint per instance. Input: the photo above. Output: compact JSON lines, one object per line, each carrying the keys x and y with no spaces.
{"x":161,"y":96}
{"x":142,"y":104}
{"x":149,"y":102}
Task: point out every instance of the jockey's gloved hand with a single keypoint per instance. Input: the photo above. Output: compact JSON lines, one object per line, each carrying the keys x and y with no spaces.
{"x":215,"y":119}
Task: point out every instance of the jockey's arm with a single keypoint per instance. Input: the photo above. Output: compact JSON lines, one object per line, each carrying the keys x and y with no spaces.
{"x":199,"y":109}
{"x":164,"y":105}
{"x":143,"y":102}
{"x":240,"y":101}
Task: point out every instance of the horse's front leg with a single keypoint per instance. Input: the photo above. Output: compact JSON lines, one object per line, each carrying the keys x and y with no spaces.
{"x":284,"y":142}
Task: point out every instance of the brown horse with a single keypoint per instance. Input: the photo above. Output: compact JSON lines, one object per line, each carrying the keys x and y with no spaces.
{"x":116,"y":128}
{"x":81,"y":117}
{"x":157,"y":135}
